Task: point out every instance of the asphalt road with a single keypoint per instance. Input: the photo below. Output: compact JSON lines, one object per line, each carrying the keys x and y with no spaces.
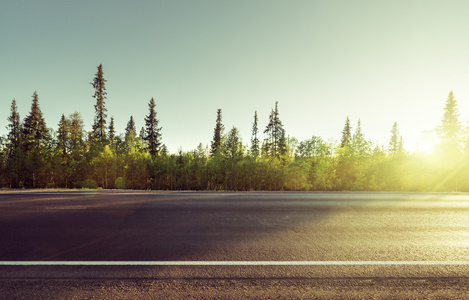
{"x":390,"y":232}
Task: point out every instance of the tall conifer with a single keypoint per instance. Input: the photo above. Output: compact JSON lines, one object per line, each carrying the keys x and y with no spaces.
{"x":76,"y":131}
{"x":450,"y":128}
{"x":112,"y":131}
{"x":153,"y":132}
{"x":396,"y":142}
{"x":130,"y":131}
{"x":217,"y":134}
{"x":275,"y":145}
{"x":99,"y":126}
{"x":346,"y":134}
{"x":34,"y":127}
{"x":233,"y":145}
{"x":359,"y":143}
{"x":254,"y":138}
{"x":35,"y":135}
{"x":63,"y":135}
{"x":14,"y":126}
{"x":13,"y":163}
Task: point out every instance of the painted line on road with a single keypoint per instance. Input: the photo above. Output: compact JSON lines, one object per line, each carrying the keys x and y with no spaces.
{"x":232,"y":263}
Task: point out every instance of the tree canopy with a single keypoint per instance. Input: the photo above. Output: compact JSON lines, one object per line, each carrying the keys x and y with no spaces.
{"x":32,"y":155}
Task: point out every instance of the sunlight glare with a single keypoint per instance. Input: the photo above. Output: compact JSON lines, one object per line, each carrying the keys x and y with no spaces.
{"x":427,"y":147}
{"x":426,"y":143}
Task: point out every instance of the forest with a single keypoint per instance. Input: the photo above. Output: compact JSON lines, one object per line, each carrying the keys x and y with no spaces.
{"x":33,"y":155}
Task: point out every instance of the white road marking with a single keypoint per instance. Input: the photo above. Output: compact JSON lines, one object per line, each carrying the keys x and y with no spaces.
{"x":232,"y":263}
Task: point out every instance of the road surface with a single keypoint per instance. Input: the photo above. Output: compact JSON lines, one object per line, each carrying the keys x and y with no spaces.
{"x":209,"y":244}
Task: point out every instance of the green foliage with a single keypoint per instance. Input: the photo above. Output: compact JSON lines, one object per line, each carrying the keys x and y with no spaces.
{"x":13,"y":155}
{"x":346,"y":134}
{"x":152,"y":131}
{"x":35,"y":132}
{"x":217,"y":135}
{"x":120,"y":183}
{"x":112,"y":131}
{"x":32,"y":155}
{"x":89,"y":184}
{"x":450,"y":128}
{"x":275,"y":143}
{"x":395,"y":144}
{"x":99,"y":126}
{"x":254,"y":139}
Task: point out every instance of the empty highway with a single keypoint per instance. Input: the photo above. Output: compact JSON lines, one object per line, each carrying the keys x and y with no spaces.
{"x":260,"y":245}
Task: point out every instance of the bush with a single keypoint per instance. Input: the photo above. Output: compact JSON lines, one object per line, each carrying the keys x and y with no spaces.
{"x":89,"y":184}
{"x":120,"y":183}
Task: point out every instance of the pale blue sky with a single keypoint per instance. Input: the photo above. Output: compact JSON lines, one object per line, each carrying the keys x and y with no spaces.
{"x":381,"y":61}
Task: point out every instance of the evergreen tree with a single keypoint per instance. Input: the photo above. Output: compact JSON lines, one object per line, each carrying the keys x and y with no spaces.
{"x":217,"y":134}
{"x":153,"y":132}
{"x":36,"y":136}
{"x":142,"y":136}
{"x":233,"y":154}
{"x":63,"y":135}
{"x":76,"y":129}
{"x":79,"y":166}
{"x":450,"y":128}
{"x":359,"y":145}
{"x":393,"y":143}
{"x":14,"y":133}
{"x":254,"y":139}
{"x":130,"y":131}
{"x":396,"y":143}
{"x":99,"y":126}
{"x":112,"y":131}
{"x":34,"y":127}
{"x":14,"y":155}
{"x":346,"y":134}
{"x":400,"y":145}
{"x":233,"y":145}
{"x":275,"y":144}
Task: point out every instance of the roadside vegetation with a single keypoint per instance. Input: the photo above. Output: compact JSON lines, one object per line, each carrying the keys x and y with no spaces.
{"x":33,"y":155}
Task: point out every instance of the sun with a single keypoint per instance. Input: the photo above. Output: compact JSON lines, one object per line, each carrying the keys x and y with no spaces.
{"x":427,"y":141}
{"x":427,"y":147}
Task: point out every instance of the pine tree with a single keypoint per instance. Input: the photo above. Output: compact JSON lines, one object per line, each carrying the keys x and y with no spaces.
{"x":130,"y":131}
{"x":346,"y":134}
{"x":78,"y":164}
{"x":14,"y":159}
{"x":275,"y":144}
{"x":359,"y":144}
{"x":254,"y":139}
{"x":233,"y":145}
{"x":112,"y":131}
{"x":14,"y":134}
{"x":153,"y":132}
{"x":217,"y":134}
{"x":63,"y":135}
{"x":141,"y":136}
{"x":76,"y":129}
{"x":400,"y":145}
{"x":450,"y":128}
{"x":394,"y":142}
{"x":34,"y":127}
{"x":99,"y":126}
{"x":36,"y":135}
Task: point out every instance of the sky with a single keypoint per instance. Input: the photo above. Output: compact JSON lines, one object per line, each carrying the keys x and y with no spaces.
{"x":377,"y":61}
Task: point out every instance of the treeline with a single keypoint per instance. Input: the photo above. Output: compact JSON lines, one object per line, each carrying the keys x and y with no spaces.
{"x":33,"y":155}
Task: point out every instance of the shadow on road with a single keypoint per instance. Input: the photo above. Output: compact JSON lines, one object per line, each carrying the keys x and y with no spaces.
{"x":171,"y":226}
